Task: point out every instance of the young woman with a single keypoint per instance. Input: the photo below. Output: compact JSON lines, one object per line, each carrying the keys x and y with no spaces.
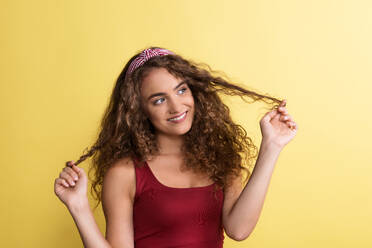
{"x":168,"y":161}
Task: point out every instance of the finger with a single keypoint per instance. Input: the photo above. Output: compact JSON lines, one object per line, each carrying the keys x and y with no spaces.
{"x":67,"y":177}
{"x":76,"y":169}
{"x":69,"y":164}
{"x":283,"y":110}
{"x":62,"y":182}
{"x":283,"y":103}
{"x":286,"y":118}
{"x":72,"y":173}
{"x":72,"y":165}
{"x":269,"y":115}
{"x":292,"y":125}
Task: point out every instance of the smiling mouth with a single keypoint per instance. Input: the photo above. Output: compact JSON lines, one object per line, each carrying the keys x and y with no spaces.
{"x":180,"y":117}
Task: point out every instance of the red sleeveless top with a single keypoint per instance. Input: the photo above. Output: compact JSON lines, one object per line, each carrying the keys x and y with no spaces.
{"x":166,"y":217}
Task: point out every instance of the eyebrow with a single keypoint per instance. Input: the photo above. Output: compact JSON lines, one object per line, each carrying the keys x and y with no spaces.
{"x":162,"y":94}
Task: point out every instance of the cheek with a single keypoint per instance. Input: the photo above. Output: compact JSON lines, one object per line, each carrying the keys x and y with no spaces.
{"x":156,"y":114}
{"x":191,"y":101}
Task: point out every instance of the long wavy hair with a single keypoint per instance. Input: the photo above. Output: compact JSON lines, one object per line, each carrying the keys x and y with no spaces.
{"x":215,"y":145}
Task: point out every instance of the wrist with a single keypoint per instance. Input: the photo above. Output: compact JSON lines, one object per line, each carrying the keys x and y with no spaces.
{"x":271,"y":146}
{"x":79,"y":205}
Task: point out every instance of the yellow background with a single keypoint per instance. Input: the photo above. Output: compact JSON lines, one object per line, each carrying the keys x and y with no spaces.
{"x":60,"y":59}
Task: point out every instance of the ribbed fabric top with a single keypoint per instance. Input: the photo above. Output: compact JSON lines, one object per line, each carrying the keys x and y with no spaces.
{"x":167,"y":217}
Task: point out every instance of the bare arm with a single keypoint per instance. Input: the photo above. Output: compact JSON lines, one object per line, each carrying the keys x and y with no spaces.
{"x":118,"y":191}
{"x":245,"y":213}
{"x":87,"y":226}
{"x":278,"y":128}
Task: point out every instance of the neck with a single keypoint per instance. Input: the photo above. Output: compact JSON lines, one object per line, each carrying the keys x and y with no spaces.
{"x":169,"y":145}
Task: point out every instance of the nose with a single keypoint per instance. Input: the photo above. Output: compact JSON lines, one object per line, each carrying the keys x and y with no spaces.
{"x":174,"y":105}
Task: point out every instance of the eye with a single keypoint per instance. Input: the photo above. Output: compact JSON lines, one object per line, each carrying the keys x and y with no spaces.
{"x":156,"y":102}
{"x":184,"y":89}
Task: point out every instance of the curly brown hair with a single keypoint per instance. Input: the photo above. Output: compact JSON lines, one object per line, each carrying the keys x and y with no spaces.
{"x":214,"y":145}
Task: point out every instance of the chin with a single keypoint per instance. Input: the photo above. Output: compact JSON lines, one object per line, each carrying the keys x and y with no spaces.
{"x":180,"y":131}
{"x":176,"y":130}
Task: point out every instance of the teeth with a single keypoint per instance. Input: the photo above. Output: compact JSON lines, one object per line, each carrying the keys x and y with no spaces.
{"x":178,"y":118}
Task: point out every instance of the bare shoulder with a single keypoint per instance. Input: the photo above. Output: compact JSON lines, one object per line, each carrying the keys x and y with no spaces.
{"x":121,"y":175}
{"x":117,"y":202}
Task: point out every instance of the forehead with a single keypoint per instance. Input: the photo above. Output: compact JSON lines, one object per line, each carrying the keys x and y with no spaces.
{"x":158,"y":80}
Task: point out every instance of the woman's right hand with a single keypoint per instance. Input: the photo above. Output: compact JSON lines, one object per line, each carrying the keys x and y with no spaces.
{"x":71,"y":185}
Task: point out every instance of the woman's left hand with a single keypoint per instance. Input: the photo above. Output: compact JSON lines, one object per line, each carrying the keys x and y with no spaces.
{"x":278,"y":127}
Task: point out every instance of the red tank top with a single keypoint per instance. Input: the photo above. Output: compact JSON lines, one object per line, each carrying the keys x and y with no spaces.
{"x":166,"y":217}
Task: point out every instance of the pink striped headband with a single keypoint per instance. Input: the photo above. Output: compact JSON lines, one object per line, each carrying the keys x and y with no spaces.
{"x":146,"y":55}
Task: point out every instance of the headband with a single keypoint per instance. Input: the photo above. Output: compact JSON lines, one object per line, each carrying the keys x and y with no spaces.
{"x":144,"y":56}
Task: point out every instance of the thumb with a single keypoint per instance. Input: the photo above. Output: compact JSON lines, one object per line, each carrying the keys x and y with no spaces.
{"x":269,"y":115}
{"x":78,"y":170}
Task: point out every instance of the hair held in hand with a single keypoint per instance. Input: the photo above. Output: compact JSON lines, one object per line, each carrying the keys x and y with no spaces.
{"x":214,"y":145}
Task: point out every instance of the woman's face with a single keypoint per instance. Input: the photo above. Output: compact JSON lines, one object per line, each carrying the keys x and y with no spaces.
{"x":164,"y":97}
